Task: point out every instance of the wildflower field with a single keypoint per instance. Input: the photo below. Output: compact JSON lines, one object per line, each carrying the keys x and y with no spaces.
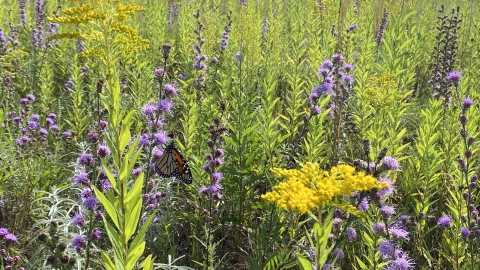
{"x":239,"y":134}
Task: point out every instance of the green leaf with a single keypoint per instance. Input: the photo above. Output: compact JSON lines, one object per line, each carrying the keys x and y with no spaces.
{"x":361,"y":263}
{"x":140,"y":237}
{"x":125,"y":136}
{"x":110,"y":176}
{"x":107,"y":262}
{"x":134,"y":254}
{"x":109,"y":208}
{"x":147,"y":264}
{"x":133,"y":204}
{"x":116,"y":241}
{"x":304,"y":263}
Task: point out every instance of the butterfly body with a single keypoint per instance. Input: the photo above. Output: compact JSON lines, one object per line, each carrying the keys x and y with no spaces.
{"x":172,"y":164}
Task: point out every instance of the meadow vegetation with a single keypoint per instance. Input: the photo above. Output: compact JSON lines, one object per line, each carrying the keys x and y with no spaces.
{"x":316,"y":134}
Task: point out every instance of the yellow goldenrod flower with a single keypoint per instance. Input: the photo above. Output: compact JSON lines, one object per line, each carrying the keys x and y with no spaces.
{"x":310,"y":187}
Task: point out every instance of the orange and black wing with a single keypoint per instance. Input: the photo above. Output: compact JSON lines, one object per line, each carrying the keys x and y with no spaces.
{"x":172,"y":164}
{"x":167,"y":164}
{"x":183,"y":170}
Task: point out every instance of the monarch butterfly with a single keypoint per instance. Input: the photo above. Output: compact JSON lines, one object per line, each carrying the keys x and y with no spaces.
{"x":172,"y":164}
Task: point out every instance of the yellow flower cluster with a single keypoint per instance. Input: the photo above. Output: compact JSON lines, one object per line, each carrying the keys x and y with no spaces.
{"x":124,"y":11}
{"x":112,"y":18}
{"x":79,"y":15}
{"x":380,"y":90}
{"x":310,"y":187}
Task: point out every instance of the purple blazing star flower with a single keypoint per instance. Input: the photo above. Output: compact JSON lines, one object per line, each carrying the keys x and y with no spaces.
{"x":3,"y":232}
{"x":32,"y":124}
{"x":159,"y":138}
{"x":364,"y":205}
{"x":149,"y":110}
{"x":78,"y":220}
{"x":454,"y":77}
{"x":338,"y":253}
{"x":348,"y":67}
{"x":379,"y":228}
{"x":386,"y":249}
{"x":401,"y":262}
{"x":103,"y":151}
{"x":398,"y":233}
{"x":386,"y":192}
{"x":337,"y":222}
{"x":352,"y":27}
{"x":91,"y":203}
{"x":86,"y":193}
{"x":316,"y":110}
{"x":105,"y":185}
{"x":467,"y":103}
{"x":159,"y":73}
{"x":465,"y":232}
{"x":203,"y":190}
{"x":69,"y":84}
{"x":165,"y":106}
{"x":390,"y":163}
{"x":387,"y":211}
{"x":136,"y":171}
{"x":170,"y":90}
{"x":217,"y":176}
{"x":143,"y":140}
{"x":85,"y":159}
{"x":10,"y":238}
{"x":444,"y":222}
{"x":351,"y":234}
{"x":214,"y":188}
{"x":78,"y":241}
{"x":82,"y":178}
{"x":96,"y":234}
{"x":327,"y":64}
{"x":35,"y":117}
{"x":219,"y":152}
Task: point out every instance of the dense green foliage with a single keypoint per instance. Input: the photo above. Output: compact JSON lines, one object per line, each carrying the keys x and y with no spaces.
{"x":252,"y":103}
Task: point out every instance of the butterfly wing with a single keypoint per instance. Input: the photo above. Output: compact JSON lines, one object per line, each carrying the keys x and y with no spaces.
{"x":183,"y":170}
{"x":172,"y":164}
{"x":167,"y":164}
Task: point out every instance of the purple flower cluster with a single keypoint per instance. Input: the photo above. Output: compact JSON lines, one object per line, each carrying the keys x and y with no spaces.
{"x":199,"y":58}
{"x":352,"y":28}
{"x":445,"y":53}
{"x":172,"y":13}
{"x":336,"y":81}
{"x":8,"y":239}
{"x":381,"y":28}
{"x":11,"y":39}
{"x":37,"y":33}
{"x":22,"y":12}
{"x":264,"y":28}
{"x":383,"y":164}
{"x":80,"y":45}
{"x":30,"y":127}
{"x":69,"y":85}
{"x":214,"y":160}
